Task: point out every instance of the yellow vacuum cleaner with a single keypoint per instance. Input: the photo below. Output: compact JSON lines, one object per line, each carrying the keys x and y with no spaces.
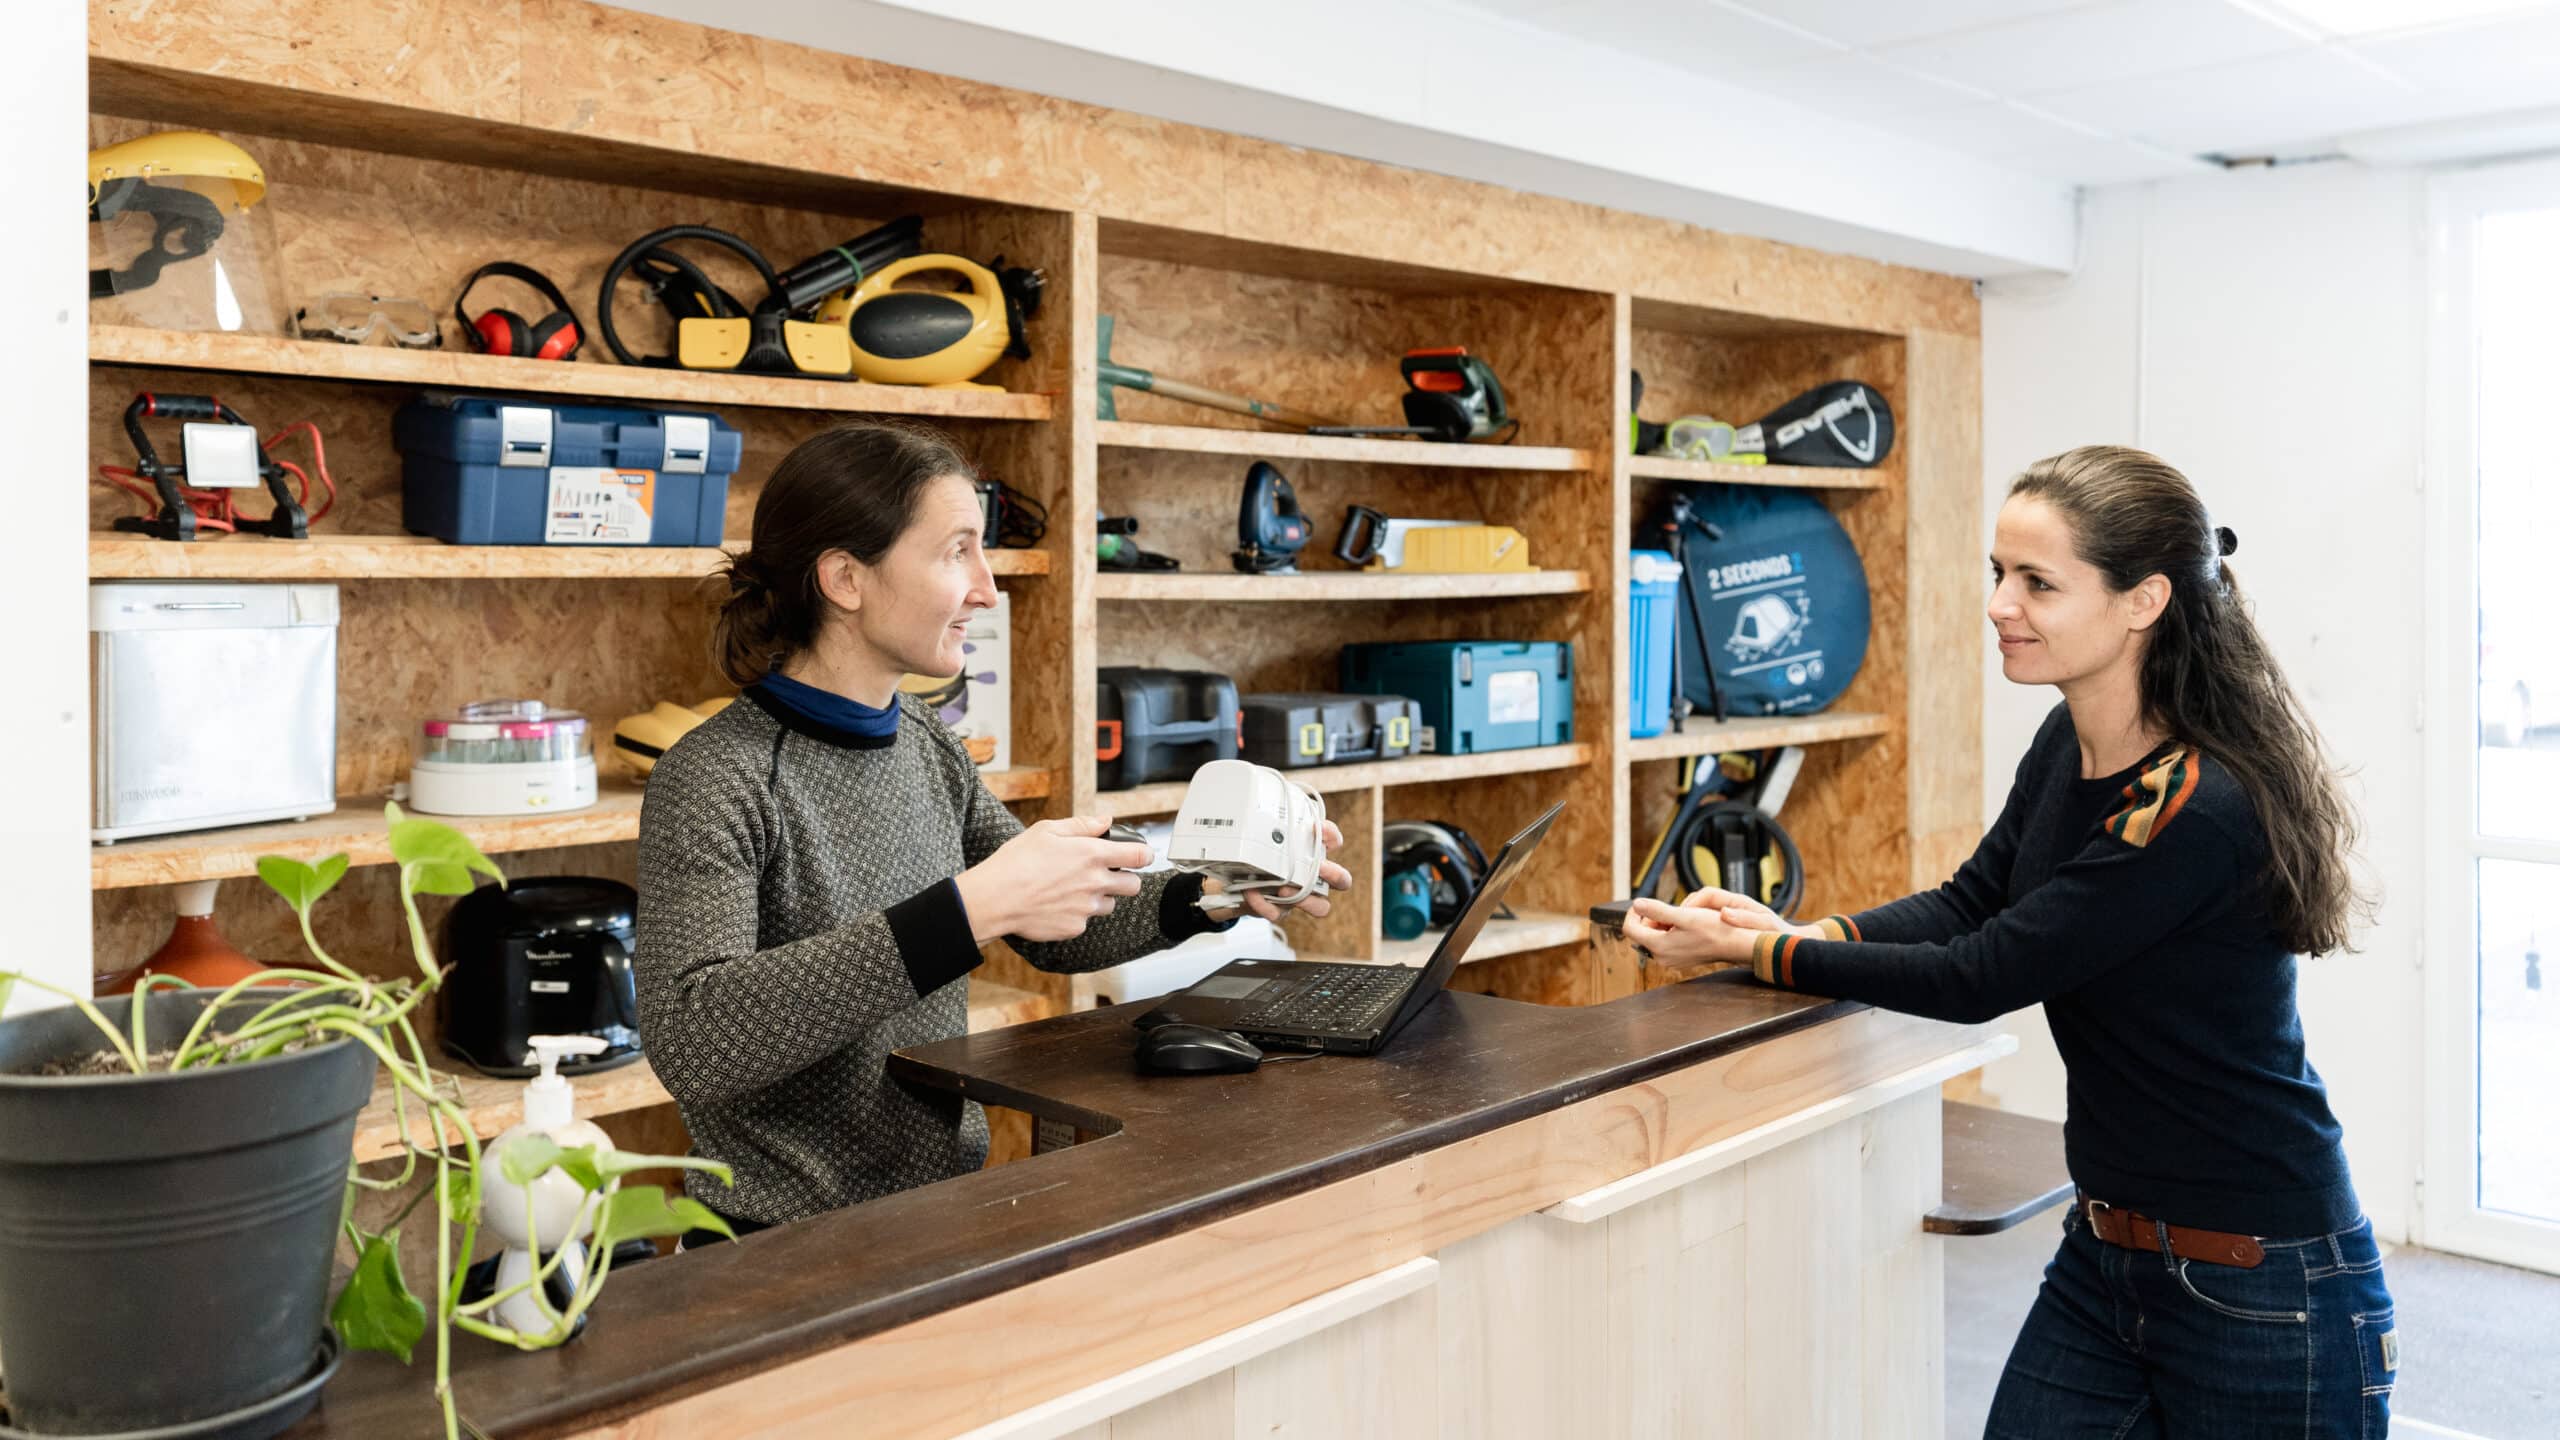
{"x":941,"y":339}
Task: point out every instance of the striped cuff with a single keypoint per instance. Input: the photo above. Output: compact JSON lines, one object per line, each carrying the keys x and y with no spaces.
{"x":1773,"y":956}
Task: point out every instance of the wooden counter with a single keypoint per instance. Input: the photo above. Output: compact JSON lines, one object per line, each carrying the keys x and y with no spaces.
{"x":1205,"y":1205}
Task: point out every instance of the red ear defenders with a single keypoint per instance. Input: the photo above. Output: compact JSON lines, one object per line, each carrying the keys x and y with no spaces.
{"x":555,"y":336}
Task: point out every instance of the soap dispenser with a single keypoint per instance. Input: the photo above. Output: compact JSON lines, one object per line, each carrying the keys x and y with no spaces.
{"x":563,"y":1214}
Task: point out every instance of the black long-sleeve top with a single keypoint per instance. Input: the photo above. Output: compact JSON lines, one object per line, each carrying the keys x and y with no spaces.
{"x":2130,"y":907}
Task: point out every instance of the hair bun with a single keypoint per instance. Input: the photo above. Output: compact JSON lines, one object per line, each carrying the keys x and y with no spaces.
{"x":2229,"y":541}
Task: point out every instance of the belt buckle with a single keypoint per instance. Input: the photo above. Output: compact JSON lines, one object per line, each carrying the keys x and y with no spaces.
{"x":2090,"y":1205}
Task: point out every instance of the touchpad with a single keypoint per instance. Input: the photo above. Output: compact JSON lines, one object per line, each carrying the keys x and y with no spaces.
{"x":1227,"y":987}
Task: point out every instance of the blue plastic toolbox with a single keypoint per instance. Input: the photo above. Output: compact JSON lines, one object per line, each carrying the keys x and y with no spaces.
{"x":480,"y":470}
{"x":1476,"y":695}
{"x":1653,"y":623}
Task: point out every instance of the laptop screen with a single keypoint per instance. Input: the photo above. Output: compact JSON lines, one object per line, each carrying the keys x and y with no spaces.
{"x":1462,"y":932}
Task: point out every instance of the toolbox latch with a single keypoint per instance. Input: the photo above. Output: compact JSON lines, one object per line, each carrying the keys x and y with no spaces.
{"x":524,"y":435}
{"x":1466,"y":667}
{"x":688,"y":444}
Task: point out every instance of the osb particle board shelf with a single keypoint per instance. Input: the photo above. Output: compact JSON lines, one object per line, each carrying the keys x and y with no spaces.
{"x":1706,"y":737}
{"x":1531,"y":930}
{"x":1327,"y":779}
{"x":1282,"y":445}
{"x":356,"y":829}
{"x":115,"y":555}
{"x":457,"y":369}
{"x":1338,"y":585}
{"x":494,"y":1104}
{"x":1800,"y":477}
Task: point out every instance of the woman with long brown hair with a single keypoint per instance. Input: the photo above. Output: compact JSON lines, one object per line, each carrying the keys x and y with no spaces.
{"x":820,"y":862}
{"x":2175,"y":837}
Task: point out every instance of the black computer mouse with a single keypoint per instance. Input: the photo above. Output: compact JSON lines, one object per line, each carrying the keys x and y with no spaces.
{"x":1179,"y":1049}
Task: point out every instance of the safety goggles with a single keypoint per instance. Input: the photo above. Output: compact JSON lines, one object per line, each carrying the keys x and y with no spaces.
{"x":352,"y":319}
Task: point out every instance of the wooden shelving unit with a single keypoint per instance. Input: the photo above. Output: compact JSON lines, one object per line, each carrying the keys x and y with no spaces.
{"x":456,"y":368}
{"x":117,"y":556}
{"x":355,"y":829}
{"x":495,"y":1104}
{"x":1338,"y":587}
{"x":1235,"y":263}
{"x":1376,"y":774}
{"x":1801,"y":477}
{"x":1287,"y":445}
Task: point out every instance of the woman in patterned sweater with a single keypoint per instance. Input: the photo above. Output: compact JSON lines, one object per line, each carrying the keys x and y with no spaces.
{"x":2174,"y":839}
{"x":820,"y":863}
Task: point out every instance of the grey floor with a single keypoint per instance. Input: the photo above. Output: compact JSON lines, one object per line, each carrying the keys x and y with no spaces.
{"x":2480,"y":1344}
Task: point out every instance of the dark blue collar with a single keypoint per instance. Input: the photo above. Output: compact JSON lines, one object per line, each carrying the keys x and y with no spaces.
{"x":825,"y":715}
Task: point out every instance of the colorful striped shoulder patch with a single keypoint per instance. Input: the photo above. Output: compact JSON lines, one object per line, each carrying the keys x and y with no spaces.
{"x":2157,"y":795}
{"x":1773,"y":956}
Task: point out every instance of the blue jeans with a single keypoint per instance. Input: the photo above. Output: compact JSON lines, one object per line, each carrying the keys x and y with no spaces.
{"x":2128,"y":1343}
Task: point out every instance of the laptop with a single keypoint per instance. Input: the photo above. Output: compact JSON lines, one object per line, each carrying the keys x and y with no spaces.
{"x":1344,"y":1009}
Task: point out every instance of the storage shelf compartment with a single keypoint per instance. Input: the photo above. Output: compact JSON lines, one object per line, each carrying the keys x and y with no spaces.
{"x":116,"y":555}
{"x":1707,"y":737}
{"x":356,"y":829}
{"x":1166,"y":798}
{"x":1283,"y":445}
{"x":1338,"y":585}
{"x":495,"y":1104}
{"x":1529,"y":930}
{"x":455,"y":369}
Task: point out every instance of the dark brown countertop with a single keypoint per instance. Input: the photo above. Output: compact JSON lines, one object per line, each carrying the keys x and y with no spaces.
{"x":1176,"y":1153}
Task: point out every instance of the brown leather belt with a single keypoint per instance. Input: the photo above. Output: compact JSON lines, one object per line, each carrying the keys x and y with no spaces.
{"x":2132,"y":1231}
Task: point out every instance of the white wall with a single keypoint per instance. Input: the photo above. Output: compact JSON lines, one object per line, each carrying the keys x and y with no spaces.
{"x":2263,"y":331}
{"x":1446,"y":87}
{"x":44,"y":727}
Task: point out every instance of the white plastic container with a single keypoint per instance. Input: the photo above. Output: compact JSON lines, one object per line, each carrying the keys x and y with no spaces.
{"x":503,"y":757}
{"x":562,"y":1213}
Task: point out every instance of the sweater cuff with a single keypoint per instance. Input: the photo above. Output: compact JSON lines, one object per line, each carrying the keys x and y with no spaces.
{"x":1180,"y":915}
{"x":1773,"y":955}
{"x":931,"y":928}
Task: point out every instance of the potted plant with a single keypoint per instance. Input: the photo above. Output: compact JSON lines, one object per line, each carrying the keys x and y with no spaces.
{"x":194,"y":1143}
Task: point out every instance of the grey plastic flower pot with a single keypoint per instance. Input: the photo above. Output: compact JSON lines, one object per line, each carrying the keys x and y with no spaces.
{"x":166,"y":1240}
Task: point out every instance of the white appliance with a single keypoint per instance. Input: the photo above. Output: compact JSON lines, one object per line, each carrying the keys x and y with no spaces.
{"x":210,"y":704}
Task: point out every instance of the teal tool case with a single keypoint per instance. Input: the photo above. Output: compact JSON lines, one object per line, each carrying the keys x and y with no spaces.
{"x":1476,"y":695}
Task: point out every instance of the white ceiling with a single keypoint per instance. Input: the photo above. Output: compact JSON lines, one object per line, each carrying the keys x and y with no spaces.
{"x":2100,"y":93}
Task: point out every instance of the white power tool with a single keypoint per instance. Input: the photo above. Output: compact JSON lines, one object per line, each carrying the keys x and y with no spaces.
{"x":1254,"y":829}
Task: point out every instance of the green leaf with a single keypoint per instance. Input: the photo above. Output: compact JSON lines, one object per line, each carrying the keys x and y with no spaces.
{"x":461,"y":1193}
{"x":435,"y":877}
{"x":528,"y":1156}
{"x":614,"y":1164}
{"x":427,"y":844}
{"x":298,"y":883}
{"x":643,"y":1212}
{"x":376,"y":1310}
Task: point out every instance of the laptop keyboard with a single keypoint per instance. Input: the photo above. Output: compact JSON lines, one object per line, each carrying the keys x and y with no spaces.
{"x":1344,"y":999}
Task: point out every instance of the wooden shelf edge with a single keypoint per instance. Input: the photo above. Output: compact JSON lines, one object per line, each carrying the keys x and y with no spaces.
{"x":1347,"y":587}
{"x":355,"y":829}
{"x":1711,"y":738}
{"x":463,"y":370}
{"x":1800,"y":477}
{"x":1283,"y":445}
{"x":493,"y":1104}
{"x":1164,"y":799}
{"x":114,"y":555}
